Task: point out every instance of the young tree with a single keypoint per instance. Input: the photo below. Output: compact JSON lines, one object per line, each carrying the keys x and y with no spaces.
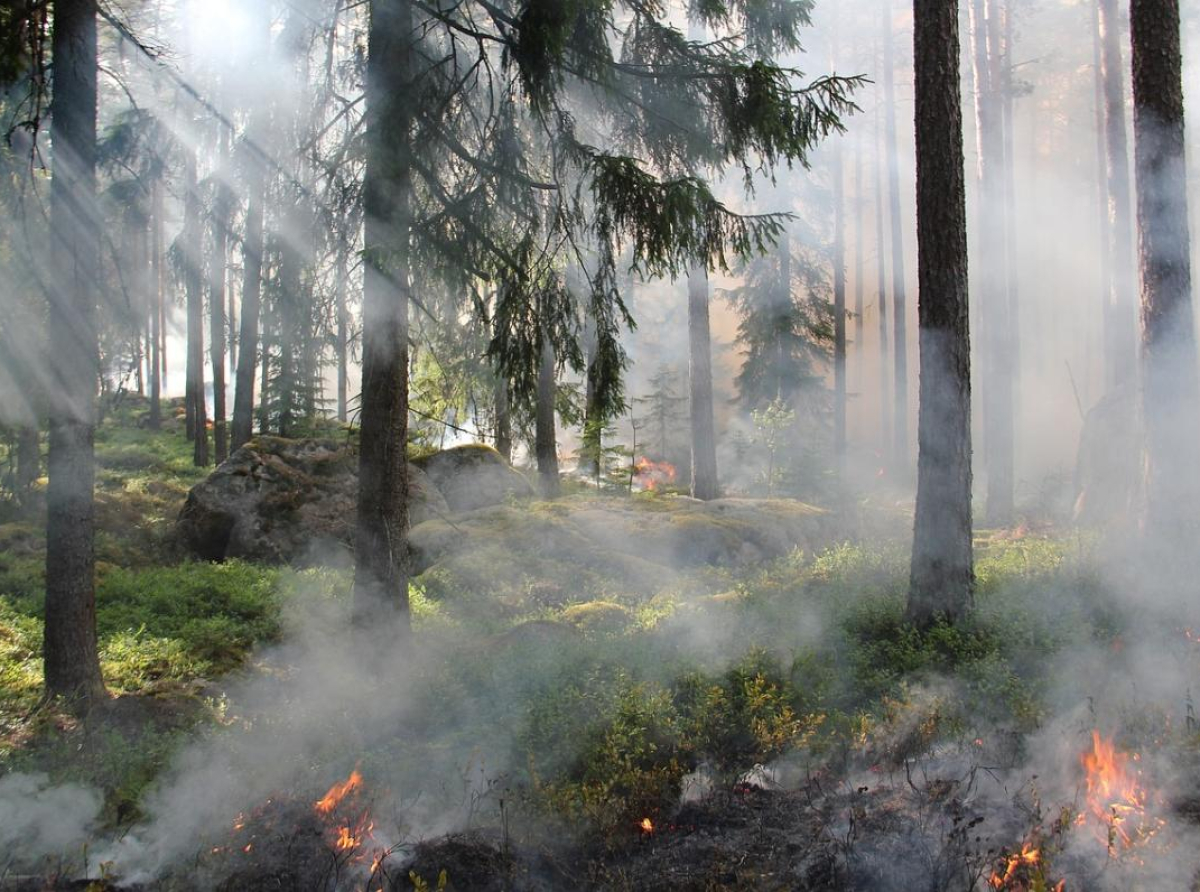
{"x":1170,"y":391}
{"x":942,"y":573}
{"x":71,"y":656}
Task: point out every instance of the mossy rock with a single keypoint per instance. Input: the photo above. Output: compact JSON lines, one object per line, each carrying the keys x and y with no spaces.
{"x":598,"y":616}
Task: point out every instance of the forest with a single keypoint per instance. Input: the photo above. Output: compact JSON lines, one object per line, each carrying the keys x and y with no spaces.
{"x":633,"y":445}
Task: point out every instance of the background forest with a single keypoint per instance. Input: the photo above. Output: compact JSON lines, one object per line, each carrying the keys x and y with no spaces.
{"x":554,"y":444}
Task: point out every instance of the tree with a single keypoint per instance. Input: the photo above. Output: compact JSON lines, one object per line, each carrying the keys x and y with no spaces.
{"x":192,"y":261}
{"x":381,"y":561}
{"x":787,"y":327}
{"x":222,"y":211}
{"x":942,"y":573}
{"x":1119,"y":320}
{"x":993,"y":277}
{"x":1170,"y":391}
{"x":704,"y":483}
{"x":512,"y":200}
{"x":899,"y":287}
{"x":839,"y":307}
{"x":72,"y":663}
{"x":253,"y":163}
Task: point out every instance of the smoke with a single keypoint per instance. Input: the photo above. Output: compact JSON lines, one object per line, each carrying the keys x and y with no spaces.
{"x":40,"y":819}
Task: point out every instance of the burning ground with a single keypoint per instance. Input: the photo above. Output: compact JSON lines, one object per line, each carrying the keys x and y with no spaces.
{"x":589,"y":706}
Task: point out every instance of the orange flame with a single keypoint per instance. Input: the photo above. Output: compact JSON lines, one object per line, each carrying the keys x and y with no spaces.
{"x":1116,"y":799}
{"x":647,"y":825}
{"x":653,"y":474}
{"x":1028,"y":857}
{"x":338,"y":792}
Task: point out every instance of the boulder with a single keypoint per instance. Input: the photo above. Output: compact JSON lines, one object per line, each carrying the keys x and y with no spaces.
{"x":474,"y":476}
{"x":280,"y":501}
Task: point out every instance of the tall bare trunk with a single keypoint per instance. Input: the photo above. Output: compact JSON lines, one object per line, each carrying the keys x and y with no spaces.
{"x":942,"y":574}
{"x":70,"y":652}
{"x":381,"y":557}
{"x":194,"y":293}
{"x":1170,"y":391}
{"x":222,"y":211}
{"x":899,"y":300}
{"x":704,"y":439}
{"x":859,"y":265}
{"x":839,"y":307}
{"x":885,"y":406}
{"x":1104,"y":225}
{"x":156,"y":303}
{"x":343,"y":340}
{"x":1121,"y":348}
{"x":252,"y":264}
{"x":993,"y":288}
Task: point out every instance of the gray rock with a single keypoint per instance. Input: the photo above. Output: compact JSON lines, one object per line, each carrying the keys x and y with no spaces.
{"x":282,"y":501}
{"x":474,"y":476}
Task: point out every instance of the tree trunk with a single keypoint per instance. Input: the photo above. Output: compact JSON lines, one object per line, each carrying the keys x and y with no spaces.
{"x":899,"y":300}
{"x":545,"y":444}
{"x":859,"y":266}
{"x":1104,"y":251}
{"x":70,"y":652}
{"x":1170,"y":392}
{"x":1121,"y":348}
{"x":942,"y":573}
{"x":343,"y":340}
{"x":704,"y":438}
{"x":194,"y":291}
{"x":156,"y":303}
{"x":839,"y":308}
{"x":997,"y":352}
{"x":252,"y":263}
{"x":885,"y":413}
{"x":222,"y":211}
{"x":381,"y":557}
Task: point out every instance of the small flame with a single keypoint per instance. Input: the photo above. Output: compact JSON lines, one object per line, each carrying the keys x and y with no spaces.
{"x":338,"y":792}
{"x":1028,"y":857}
{"x":647,"y":825}
{"x":653,"y":474}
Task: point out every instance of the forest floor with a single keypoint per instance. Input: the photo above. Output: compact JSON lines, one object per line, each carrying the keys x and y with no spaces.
{"x":774,"y":725}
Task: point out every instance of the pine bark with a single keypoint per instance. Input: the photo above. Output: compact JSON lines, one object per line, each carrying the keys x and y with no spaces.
{"x":942,"y":572}
{"x":1104,"y":226}
{"x":382,"y":559}
{"x":1170,"y":392}
{"x":70,"y":651}
{"x":899,"y":299}
{"x":252,"y":264}
{"x":859,"y":266}
{"x":704,"y":439}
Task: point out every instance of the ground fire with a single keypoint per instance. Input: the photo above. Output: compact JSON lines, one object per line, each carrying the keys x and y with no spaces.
{"x":1116,"y":804}
{"x":654,"y":475}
